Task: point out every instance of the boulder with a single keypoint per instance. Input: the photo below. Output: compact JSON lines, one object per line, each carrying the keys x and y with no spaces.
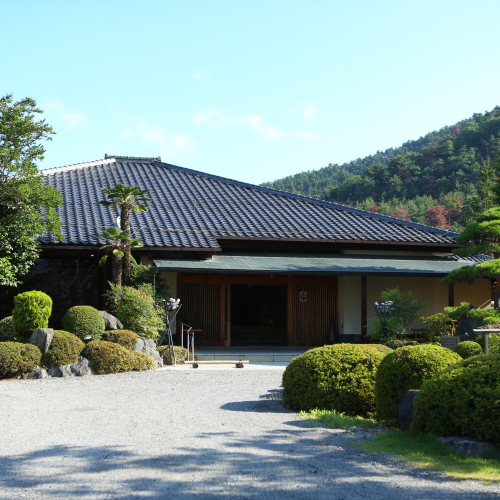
{"x":80,"y":368}
{"x":42,"y":338}
{"x":468,"y":446}
{"x":148,"y":346}
{"x":405,"y":409}
{"x":40,"y":373}
{"x":111,"y":323}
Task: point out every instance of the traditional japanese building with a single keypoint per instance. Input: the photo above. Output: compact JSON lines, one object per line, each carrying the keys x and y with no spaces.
{"x":251,"y":265}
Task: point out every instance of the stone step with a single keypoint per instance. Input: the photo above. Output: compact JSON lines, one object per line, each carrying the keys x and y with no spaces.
{"x":252,"y":358}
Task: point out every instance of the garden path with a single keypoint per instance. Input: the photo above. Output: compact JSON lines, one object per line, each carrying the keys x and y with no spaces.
{"x":211,"y":433}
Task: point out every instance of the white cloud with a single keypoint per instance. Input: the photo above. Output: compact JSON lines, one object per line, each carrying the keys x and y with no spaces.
{"x":199,"y":74}
{"x":309,"y":113}
{"x":305,"y":135}
{"x":220,"y":118}
{"x":70,"y":118}
{"x":166,"y":143}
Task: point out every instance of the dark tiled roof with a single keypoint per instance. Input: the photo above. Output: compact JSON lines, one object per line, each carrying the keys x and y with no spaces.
{"x":191,"y":209}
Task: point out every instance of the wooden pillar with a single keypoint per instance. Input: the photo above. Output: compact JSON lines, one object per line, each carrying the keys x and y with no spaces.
{"x":451,"y":295}
{"x":289,"y":312}
{"x":364,"y":311}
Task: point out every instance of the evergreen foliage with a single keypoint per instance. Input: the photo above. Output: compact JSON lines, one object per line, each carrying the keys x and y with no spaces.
{"x":461,"y":400}
{"x":17,"y":359}
{"x":338,"y":377}
{"x":65,"y":349}
{"x":84,"y":321}
{"x":27,"y":204}
{"x":181,"y":354}
{"x":7,"y":331}
{"x":108,"y":357}
{"x":429,"y":180}
{"x":125,"y":338}
{"x":404,"y":369}
{"x":31,"y":310}
{"x":468,"y":349}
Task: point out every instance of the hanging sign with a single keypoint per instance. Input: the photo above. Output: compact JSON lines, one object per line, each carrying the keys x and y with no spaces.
{"x":302,"y":296}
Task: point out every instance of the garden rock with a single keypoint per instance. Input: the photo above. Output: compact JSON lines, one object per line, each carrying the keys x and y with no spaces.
{"x":468,"y":446}
{"x":42,"y":338}
{"x":80,"y":368}
{"x":40,"y":373}
{"x":111,"y":322}
{"x":405,"y":409}
{"x":148,"y":346}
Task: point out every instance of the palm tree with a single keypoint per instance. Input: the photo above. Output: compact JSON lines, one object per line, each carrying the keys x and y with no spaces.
{"x":117,"y":240}
{"x":126,"y":199}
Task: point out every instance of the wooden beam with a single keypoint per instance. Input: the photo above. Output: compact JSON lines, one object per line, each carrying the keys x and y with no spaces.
{"x":223,"y":314}
{"x":364,"y":311}
{"x":289,"y":312}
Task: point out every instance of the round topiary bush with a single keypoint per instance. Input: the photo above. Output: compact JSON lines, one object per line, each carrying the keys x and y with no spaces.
{"x":468,"y":349}
{"x":31,"y":310}
{"x":125,"y":338}
{"x":462,"y":400}
{"x":379,"y":347}
{"x":64,"y":350}
{"x":18,"y":359}
{"x":7,"y":332}
{"x":181,"y":354}
{"x":84,"y":321}
{"x":404,"y":369}
{"x":337,"y":377}
{"x":108,"y":357}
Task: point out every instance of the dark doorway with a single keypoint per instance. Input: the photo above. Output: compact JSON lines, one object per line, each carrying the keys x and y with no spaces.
{"x":258,"y":314}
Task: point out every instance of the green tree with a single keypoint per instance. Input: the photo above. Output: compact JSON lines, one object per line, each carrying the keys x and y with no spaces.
{"x":27,"y":205}
{"x":126,"y":199}
{"x":118,"y":243}
{"x":485,"y":197}
{"x":479,"y":237}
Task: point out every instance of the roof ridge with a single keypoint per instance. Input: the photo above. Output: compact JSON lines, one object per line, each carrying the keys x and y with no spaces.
{"x":338,"y":206}
{"x":55,"y":170}
{"x":140,"y":158}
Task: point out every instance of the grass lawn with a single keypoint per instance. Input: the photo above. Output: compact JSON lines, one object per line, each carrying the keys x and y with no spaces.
{"x":418,"y":450}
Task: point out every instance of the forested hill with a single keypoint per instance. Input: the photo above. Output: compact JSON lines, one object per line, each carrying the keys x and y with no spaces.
{"x":434,"y":180}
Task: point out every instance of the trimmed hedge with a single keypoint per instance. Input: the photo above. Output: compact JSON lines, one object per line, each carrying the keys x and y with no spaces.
{"x":337,"y":377}
{"x":64,"y":350}
{"x":181,"y":354}
{"x":84,"y":321}
{"x":18,"y":359}
{"x":31,"y":310}
{"x":7,"y":332}
{"x":404,"y":369}
{"x":108,"y":357}
{"x":125,"y":338}
{"x":462,"y":400}
{"x":468,"y":349}
{"x":379,"y":347}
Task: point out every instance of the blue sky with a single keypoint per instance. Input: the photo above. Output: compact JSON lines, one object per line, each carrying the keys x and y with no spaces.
{"x":253,"y":90}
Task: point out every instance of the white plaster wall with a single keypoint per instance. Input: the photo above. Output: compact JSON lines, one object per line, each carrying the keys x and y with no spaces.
{"x":349,"y":305}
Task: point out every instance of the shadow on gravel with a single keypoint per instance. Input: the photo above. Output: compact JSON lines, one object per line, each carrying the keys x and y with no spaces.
{"x":262,"y":406}
{"x":297,"y":464}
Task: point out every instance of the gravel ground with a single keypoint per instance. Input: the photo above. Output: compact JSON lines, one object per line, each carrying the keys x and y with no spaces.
{"x":184,"y":433}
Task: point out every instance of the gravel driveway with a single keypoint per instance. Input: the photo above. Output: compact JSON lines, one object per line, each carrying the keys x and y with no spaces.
{"x":184,"y":433}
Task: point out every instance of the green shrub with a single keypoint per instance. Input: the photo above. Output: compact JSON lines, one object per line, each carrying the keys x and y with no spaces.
{"x":493,"y":342}
{"x":181,"y":354}
{"x":404,"y":369}
{"x":468,"y":349}
{"x":437,"y":326}
{"x":462,"y":400}
{"x":125,"y":338}
{"x":136,"y":310}
{"x":84,"y":321}
{"x":31,"y":310}
{"x":379,"y":347}
{"x":64,"y":350}
{"x":7,"y":332}
{"x":18,"y":359}
{"x":338,"y":377}
{"x":108,"y":357}
{"x":404,"y":343}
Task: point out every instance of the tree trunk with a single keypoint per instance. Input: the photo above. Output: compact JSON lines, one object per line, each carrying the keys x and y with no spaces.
{"x":116,"y":266}
{"x":125,"y":224}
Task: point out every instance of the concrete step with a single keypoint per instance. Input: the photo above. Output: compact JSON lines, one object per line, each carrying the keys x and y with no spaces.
{"x":252,"y":358}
